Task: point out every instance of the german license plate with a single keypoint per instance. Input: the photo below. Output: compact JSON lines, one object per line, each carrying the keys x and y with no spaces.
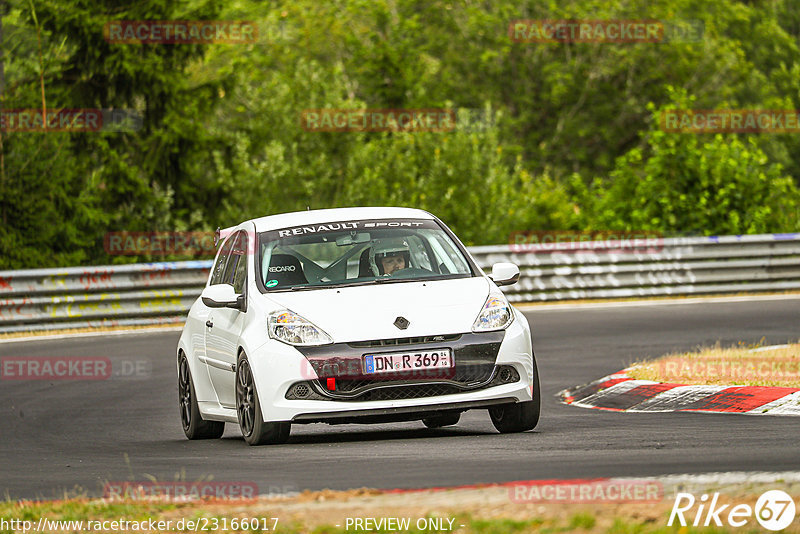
{"x":408,"y":361}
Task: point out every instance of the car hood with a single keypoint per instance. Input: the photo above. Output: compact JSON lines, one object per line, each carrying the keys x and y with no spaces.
{"x":364,"y":313}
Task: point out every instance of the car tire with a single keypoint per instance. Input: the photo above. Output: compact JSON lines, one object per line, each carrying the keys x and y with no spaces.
{"x":194,"y":426}
{"x":255,"y":430}
{"x":520,"y":416}
{"x":438,"y":421}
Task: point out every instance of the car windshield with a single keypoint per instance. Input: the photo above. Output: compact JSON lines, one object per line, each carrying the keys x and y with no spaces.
{"x":358,"y":252}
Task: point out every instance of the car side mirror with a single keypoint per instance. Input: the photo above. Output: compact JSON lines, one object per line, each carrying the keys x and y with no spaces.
{"x":504,"y":274}
{"x":221,"y":296}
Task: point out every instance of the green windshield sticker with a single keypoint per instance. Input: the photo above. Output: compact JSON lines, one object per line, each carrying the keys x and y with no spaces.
{"x":271,"y":283}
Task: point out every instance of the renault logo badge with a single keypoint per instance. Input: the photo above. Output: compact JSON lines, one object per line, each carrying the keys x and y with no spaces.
{"x":401,"y":323}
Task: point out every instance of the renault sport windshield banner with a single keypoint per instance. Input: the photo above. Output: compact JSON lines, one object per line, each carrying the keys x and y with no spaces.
{"x":306,"y":230}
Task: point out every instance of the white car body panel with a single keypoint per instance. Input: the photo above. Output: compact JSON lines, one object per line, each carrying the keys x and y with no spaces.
{"x":346,"y":314}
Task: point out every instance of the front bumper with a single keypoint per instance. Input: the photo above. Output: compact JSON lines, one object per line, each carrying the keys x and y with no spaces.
{"x":397,"y":413}
{"x":277,"y":367}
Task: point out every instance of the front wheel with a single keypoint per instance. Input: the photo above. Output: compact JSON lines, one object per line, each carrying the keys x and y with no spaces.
{"x":521,"y":416}
{"x":255,"y":430}
{"x":193,"y":424}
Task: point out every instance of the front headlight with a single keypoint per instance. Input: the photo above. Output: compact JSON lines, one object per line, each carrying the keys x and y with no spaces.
{"x":292,"y":329}
{"x":495,"y":315}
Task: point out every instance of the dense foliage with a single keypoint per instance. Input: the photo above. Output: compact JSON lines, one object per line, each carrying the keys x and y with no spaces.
{"x":565,"y":136}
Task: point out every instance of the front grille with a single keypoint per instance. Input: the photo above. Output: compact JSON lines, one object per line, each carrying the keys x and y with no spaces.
{"x":404,"y":341}
{"x":348,"y":386}
{"x":474,"y":358}
{"x":374,"y":390}
{"x":408,"y":392}
{"x":465,"y":376}
{"x":355,"y":386}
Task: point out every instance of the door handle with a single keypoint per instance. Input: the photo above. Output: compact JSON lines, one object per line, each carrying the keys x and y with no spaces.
{"x":209,"y":324}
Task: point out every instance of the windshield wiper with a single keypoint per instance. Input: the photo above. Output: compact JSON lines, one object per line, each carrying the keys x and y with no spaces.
{"x":302,"y":288}
{"x":328,"y":286}
{"x":393,"y":280}
{"x":381,"y":280}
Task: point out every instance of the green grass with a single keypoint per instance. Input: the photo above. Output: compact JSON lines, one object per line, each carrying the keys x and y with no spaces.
{"x":582,"y":520}
{"x":84,"y":509}
{"x":719,"y":365}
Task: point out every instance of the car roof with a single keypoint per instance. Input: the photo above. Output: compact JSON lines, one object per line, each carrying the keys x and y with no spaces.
{"x":285,"y":220}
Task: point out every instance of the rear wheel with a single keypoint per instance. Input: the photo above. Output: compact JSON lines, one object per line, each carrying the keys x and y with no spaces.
{"x":248,"y":409}
{"x":193,"y":424}
{"x":438,"y":421}
{"x":521,"y":416}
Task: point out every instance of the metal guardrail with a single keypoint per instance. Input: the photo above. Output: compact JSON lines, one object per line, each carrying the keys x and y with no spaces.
{"x":78,"y":297}
{"x":676,"y":266}
{"x":156,"y":293}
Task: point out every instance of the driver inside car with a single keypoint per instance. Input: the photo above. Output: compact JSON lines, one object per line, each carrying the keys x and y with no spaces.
{"x":390,"y":256}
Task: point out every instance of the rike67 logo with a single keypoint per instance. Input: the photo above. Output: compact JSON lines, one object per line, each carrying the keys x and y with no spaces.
{"x":774,"y":510}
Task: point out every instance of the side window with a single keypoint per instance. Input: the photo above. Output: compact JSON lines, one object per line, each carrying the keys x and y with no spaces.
{"x":236,"y":261}
{"x":219,"y":267}
{"x":240,"y":275}
{"x":419,"y":256}
{"x":449,"y":258}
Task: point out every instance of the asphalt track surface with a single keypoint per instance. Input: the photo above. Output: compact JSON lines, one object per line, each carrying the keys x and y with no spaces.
{"x":58,"y":436}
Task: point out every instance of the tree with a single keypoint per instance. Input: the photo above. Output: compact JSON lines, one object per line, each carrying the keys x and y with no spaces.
{"x":696,"y":183}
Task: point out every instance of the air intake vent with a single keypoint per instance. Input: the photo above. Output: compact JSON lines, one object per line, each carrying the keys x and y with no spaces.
{"x":404,"y":341}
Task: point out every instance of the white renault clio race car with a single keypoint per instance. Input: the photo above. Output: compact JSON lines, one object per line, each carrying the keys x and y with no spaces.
{"x":352,"y":315}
